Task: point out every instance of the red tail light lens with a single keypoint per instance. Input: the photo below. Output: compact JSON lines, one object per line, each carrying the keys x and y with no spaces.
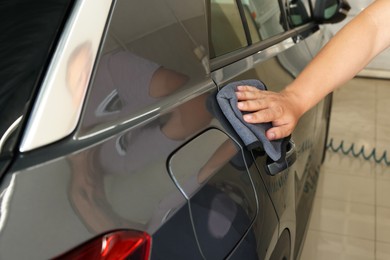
{"x":117,"y":245}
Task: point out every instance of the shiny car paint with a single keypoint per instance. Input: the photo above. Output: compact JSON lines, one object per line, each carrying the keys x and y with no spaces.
{"x":145,"y":149}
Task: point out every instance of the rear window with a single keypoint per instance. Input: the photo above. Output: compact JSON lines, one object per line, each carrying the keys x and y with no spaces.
{"x":29,"y":29}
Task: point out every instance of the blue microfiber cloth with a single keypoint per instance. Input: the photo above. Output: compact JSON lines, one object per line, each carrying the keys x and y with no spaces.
{"x":253,"y":135}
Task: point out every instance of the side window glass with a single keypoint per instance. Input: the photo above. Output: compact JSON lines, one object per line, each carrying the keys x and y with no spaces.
{"x":252,"y":26}
{"x":227,"y":31}
{"x":266,"y":16}
{"x":298,"y":12}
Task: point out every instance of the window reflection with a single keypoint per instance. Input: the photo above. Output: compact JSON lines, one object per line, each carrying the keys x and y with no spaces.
{"x":263,"y":17}
{"x":266,"y":16}
{"x":227,"y":31}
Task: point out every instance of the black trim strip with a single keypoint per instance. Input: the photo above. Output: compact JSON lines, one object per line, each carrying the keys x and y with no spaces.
{"x":234,"y":56}
{"x":244,"y":22}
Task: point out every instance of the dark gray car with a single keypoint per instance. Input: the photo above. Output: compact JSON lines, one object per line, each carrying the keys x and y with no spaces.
{"x":113,"y":146}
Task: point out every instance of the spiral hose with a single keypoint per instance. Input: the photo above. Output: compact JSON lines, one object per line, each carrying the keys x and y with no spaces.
{"x":358,"y":152}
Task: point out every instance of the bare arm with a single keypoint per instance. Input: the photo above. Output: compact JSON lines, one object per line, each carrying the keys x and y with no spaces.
{"x":341,"y":59}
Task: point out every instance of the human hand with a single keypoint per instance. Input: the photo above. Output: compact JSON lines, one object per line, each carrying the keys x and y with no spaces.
{"x":282,"y":109}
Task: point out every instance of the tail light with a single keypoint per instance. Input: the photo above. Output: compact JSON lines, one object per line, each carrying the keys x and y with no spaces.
{"x":117,"y":245}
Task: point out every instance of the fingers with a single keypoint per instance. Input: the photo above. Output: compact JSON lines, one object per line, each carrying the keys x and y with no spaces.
{"x":249,"y":93}
{"x":268,"y":106}
{"x":252,"y":105}
{"x":277,"y":131}
{"x":251,"y":98}
{"x":260,"y":116}
{"x":247,"y":88}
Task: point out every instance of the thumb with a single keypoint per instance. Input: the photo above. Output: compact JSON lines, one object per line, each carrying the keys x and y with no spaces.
{"x":278,"y":132}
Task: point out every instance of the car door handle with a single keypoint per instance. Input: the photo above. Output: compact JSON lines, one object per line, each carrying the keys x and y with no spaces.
{"x":274,"y":168}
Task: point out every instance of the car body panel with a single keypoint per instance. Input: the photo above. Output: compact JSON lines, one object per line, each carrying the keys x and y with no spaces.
{"x":153,"y":152}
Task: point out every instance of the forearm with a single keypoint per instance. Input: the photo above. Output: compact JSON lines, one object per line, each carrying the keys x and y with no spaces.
{"x":344,"y":56}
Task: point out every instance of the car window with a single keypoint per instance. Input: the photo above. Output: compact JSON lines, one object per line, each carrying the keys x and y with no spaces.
{"x":262,"y":18}
{"x":266,"y":16}
{"x":146,"y":58}
{"x":29,"y":32}
{"x":253,"y":28}
{"x":227,"y":30}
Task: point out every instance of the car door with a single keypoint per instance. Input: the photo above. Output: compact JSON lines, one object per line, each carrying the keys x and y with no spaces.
{"x":276,"y":51}
{"x":235,"y":57}
{"x":217,"y":175}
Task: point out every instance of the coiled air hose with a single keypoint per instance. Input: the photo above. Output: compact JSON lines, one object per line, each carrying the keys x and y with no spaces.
{"x":358,"y":152}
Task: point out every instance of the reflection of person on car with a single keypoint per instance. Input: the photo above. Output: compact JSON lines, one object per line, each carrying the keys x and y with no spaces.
{"x":265,"y":13}
{"x":123,"y":84}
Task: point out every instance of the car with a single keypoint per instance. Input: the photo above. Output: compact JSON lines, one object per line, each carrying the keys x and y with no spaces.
{"x":113,"y":145}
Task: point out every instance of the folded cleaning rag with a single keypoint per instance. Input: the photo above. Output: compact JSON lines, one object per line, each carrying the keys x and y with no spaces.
{"x":253,"y":135}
